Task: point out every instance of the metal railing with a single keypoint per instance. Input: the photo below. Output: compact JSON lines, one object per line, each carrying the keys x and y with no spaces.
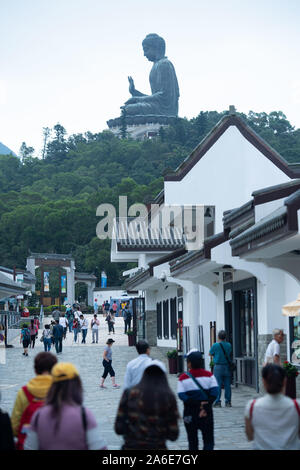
{"x":11,"y":323}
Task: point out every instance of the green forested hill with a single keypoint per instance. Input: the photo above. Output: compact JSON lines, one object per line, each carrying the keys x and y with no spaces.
{"x":49,"y":205}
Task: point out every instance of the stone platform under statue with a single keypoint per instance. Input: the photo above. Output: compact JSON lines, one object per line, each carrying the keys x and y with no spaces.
{"x":140,"y":127}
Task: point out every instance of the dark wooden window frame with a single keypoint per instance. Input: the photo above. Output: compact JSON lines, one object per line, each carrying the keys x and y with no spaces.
{"x":166,"y":322}
{"x":173,"y":315}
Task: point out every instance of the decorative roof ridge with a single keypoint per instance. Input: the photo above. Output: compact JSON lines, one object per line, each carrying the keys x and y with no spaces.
{"x":268,"y":189}
{"x":142,"y":273}
{"x":228,"y":216}
{"x":293,"y":199}
{"x":51,"y":255}
{"x":201,"y":143}
{"x":203,"y":253}
{"x":262,"y":227}
{"x":272,"y":193}
{"x":250,"y":134}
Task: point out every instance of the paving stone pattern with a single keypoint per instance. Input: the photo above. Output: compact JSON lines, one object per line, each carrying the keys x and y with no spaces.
{"x":18,"y":369}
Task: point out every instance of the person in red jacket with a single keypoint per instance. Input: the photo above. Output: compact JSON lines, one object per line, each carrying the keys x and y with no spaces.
{"x":32,"y":395}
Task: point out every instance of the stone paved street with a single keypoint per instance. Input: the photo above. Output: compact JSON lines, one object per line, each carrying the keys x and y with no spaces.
{"x":17,"y":370}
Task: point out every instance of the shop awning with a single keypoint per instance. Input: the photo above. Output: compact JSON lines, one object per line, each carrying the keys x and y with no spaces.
{"x":292,"y":309}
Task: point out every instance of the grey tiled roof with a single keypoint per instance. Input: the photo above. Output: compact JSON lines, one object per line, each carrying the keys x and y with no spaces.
{"x":195,"y":257}
{"x":229,"y":216}
{"x":10,"y":284}
{"x":267,"y":225}
{"x":28,"y":276}
{"x":134,"y":234}
{"x":140,"y":276}
{"x":275,"y":221}
{"x":293,"y":185}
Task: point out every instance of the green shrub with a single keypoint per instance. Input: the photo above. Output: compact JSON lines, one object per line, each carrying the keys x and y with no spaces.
{"x":34,"y":310}
{"x":48,"y":310}
{"x":172,"y":354}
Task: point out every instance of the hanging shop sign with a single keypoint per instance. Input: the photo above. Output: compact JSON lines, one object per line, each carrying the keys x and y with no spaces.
{"x":46,"y":281}
{"x":63,"y":284}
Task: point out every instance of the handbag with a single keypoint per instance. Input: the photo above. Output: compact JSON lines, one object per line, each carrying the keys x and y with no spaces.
{"x":231,"y":364}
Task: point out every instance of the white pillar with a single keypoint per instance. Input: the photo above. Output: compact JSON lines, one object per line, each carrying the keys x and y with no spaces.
{"x":142,"y":261}
{"x":91,"y":287}
{"x":71,"y":282}
{"x":195,"y":316}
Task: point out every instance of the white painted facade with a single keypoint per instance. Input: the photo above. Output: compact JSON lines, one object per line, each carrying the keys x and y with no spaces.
{"x":225,"y":177}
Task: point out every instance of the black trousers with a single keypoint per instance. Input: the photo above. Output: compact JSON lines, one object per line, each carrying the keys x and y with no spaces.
{"x":58,"y":344}
{"x":193,"y":423}
{"x":127,"y":324}
{"x":32,"y":341}
{"x":107,"y":369}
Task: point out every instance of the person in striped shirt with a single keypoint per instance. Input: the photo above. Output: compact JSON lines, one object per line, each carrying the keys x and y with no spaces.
{"x":198,"y":390}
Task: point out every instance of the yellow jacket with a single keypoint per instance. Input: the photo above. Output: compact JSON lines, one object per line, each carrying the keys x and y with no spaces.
{"x":38,"y":386}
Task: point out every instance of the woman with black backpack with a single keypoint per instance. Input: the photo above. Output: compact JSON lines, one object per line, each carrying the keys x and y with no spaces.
{"x":33,"y":333}
{"x":25,"y":338}
{"x":110,"y":318}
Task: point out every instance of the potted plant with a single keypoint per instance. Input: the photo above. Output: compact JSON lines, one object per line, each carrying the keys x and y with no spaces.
{"x":131,"y":337}
{"x":292,"y":373}
{"x":172,"y":359}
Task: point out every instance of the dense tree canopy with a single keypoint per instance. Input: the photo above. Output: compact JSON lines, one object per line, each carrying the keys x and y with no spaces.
{"x":49,"y":204}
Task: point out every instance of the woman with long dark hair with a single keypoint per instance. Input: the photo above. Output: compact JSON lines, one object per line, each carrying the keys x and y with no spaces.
{"x":148,"y":414}
{"x":63,"y":423}
{"x":25,"y":338}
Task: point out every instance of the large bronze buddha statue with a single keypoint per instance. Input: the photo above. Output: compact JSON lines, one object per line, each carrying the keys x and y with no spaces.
{"x":163,"y":81}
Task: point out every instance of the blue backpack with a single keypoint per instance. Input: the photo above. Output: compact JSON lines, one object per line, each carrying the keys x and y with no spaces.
{"x":26,"y":334}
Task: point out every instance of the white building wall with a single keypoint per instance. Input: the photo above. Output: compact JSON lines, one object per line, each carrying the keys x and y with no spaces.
{"x":262,"y":308}
{"x":225,"y":177}
{"x":220,"y":319}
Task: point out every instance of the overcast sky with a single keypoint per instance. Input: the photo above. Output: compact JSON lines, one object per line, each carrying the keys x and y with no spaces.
{"x":67,"y":61}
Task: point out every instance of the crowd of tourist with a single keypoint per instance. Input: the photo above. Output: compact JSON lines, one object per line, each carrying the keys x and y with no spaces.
{"x":73,"y":320}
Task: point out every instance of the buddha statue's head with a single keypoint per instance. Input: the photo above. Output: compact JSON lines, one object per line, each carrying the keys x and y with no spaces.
{"x":154,"y":47}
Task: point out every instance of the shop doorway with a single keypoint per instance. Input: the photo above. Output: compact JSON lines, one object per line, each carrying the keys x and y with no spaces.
{"x":244,"y":331}
{"x":139,"y":317}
